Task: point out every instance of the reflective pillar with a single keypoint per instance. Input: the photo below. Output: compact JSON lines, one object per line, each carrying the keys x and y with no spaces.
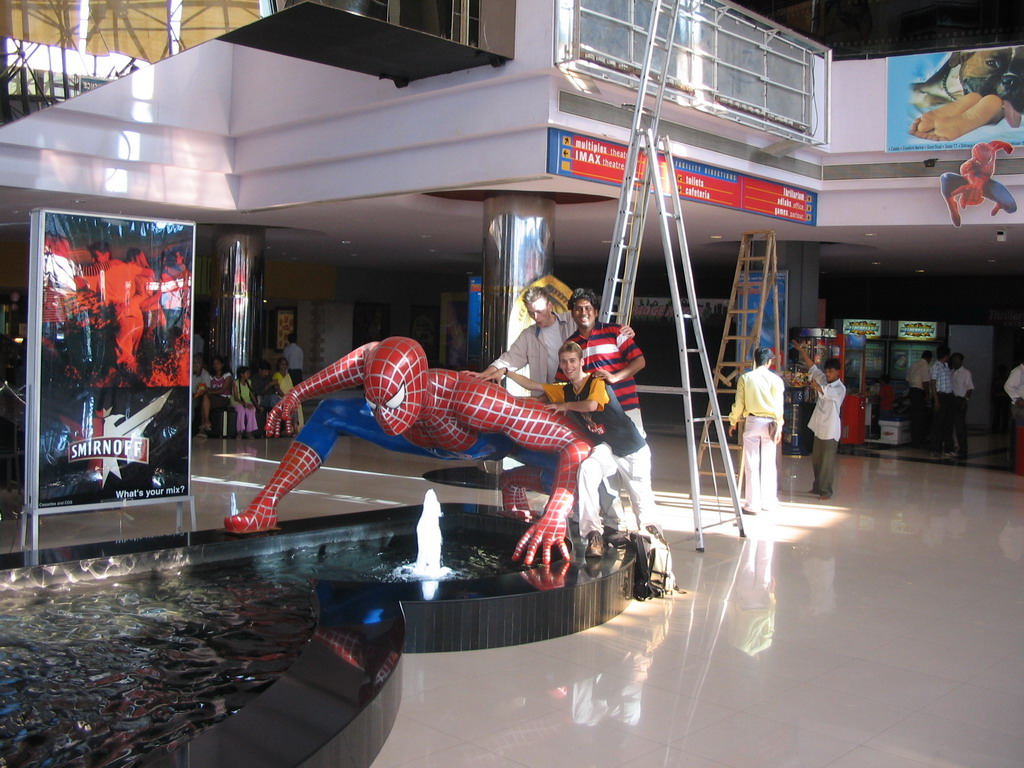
{"x":518,"y":248}
{"x":237,"y":289}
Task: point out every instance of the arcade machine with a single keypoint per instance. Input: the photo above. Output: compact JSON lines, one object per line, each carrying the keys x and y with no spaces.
{"x":821,"y":344}
{"x":862,"y":371}
{"x":853,"y":414}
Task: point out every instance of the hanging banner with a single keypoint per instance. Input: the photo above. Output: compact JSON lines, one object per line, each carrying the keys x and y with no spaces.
{"x":109,"y":347}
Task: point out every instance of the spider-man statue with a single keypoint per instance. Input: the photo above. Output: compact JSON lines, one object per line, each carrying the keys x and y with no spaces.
{"x":974,"y":183}
{"x":446,"y":414}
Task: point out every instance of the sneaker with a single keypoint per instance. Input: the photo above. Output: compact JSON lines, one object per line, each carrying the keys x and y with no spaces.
{"x":615,"y":538}
{"x":595,"y":545}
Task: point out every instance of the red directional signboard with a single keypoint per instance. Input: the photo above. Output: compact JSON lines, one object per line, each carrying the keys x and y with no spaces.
{"x":583,"y":157}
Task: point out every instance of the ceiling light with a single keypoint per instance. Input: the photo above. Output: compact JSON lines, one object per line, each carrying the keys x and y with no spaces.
{"x":876,"y":263}
{"x":715,"y":237}
{"x":919,"y":270}
{"x":870,"y":234}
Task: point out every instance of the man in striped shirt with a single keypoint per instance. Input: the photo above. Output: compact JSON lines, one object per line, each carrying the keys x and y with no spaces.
{"x":608,"y":353}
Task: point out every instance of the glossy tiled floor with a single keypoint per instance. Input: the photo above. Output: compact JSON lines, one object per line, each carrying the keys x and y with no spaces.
{"x":880,"y":630}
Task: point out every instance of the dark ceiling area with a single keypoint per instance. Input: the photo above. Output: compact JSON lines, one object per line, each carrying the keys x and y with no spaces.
{"x":870,"y":28}
{"x":359,"y":43}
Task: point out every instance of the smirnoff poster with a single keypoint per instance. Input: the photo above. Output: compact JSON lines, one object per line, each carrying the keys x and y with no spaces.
{"x":109,"y":343}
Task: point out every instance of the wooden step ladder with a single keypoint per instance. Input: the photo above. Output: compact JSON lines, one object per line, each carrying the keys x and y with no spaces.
{"x":755,"y":286}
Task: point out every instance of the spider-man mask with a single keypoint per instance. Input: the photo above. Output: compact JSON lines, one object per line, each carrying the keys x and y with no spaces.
{"x":396,"y":383}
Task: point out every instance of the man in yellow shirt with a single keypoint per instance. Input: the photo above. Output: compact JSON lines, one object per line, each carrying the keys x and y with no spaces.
{"x":759,"y":403}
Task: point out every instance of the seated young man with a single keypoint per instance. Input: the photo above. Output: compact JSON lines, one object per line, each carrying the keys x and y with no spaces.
{"x":618,"y":445}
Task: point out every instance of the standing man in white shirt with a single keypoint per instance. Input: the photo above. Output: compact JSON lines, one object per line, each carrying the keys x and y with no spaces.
{"x":536,"y":348}
{"x":1014,"y":387}
{"x":963,"y":387}
{"x":940,"y":388}
{"x":293,"y":354}
{"x":918,"y":377}
{"x":825,"y":422}
{"x":759,"y":404}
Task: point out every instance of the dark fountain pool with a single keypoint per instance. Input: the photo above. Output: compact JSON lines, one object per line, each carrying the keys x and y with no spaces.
{"x":276,"y":650}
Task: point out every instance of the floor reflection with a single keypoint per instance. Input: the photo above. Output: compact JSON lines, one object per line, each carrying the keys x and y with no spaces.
{"x":885,"y":625}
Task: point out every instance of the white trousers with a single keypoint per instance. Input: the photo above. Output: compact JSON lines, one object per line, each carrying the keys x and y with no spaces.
{"x":635,"y":471}
{"x":760,"y":477}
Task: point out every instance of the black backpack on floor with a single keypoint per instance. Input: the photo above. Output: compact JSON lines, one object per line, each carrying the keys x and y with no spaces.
{"x":652,"y":571}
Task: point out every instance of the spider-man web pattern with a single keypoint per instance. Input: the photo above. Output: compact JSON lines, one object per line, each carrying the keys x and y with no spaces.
{"x":433,"y":409}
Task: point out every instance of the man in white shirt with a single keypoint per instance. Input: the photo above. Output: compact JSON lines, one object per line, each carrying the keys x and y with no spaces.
{"x":918,"y":377}
{"x":963,"y":387}
{"x":940,"y":388}
{"x":293,"y":354}
{"x":1014,"y":387}
{"x":825,"y":422}
{"x":536,"y":348}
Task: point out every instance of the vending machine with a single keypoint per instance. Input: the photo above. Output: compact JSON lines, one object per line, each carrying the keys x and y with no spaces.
{"x":854,"y":413}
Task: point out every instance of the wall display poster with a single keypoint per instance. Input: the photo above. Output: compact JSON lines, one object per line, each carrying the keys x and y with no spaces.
{"x":371,"y":321}
{"x":954,"y":99}
{"x":109,"y":351}
{"x":285,"y":324}
{"x":750,"y":298}
{"x":474,"y":320}
{"x":424,"y":327}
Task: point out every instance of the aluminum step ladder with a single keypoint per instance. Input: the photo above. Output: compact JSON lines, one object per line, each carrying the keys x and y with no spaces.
{"x":642,"y":172}
{"x":627,"y":236}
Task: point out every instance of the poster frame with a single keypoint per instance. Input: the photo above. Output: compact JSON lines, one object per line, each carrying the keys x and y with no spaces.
{"x":286,"y":320}
{"x":33,"y":387}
